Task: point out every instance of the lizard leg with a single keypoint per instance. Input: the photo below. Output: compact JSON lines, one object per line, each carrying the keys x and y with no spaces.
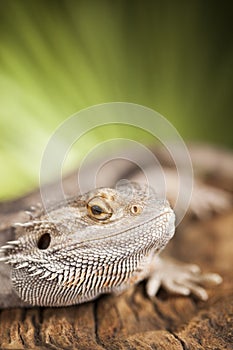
{"x":179,"y":278}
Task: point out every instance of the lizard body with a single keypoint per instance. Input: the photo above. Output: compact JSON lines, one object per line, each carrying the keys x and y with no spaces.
{"x":100,"y":242}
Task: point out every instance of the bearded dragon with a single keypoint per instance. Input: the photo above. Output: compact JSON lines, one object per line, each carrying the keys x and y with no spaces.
{"x":105,"y":240}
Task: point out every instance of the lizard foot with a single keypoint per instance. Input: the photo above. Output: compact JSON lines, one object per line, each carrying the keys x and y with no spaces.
{"x":179,"y":278}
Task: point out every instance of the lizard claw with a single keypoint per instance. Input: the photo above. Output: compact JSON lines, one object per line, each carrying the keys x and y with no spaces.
{"x":177,"y":278}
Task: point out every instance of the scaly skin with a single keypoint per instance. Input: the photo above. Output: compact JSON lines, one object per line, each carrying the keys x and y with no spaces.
{"x":100,"y":242}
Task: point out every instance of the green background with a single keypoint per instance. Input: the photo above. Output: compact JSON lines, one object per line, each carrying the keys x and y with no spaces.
{"x":57,"y":57}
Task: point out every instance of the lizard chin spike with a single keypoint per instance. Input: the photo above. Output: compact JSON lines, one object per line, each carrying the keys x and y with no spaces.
{"x":11,"y":245}
{"x":13,"y":242}
{"x":38,"y":272}
{"x":18,"y":224}
{"x":25,"y":224}
{"x":5,"y":247}
{"x":21,"y":266}
{"x":4,"y":259}
{"x":54,"y":275}
{"x":29,"y":213}
{"x":45,"y":275}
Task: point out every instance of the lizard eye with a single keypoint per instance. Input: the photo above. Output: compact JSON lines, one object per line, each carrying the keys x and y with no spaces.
{"x":98,"y":209}
{"x":136,"y":209}
{"x":44,"y":241}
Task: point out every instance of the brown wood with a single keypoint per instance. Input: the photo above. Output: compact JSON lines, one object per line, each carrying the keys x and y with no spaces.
{"x":131,"y":320}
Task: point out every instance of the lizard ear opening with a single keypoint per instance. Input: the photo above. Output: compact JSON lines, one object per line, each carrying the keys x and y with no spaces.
{"x":44,"y":241}
{"x":136,"y":209}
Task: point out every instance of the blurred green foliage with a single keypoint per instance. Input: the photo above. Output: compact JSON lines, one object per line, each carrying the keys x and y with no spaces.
{"x":57,"y":57}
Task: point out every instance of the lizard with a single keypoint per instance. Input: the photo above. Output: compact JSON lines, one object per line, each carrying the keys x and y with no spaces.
{"x":105,"y":240}
{"x":22,"y":271}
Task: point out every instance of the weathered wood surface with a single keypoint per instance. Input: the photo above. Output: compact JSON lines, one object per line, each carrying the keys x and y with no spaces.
{"x":132,"y":321}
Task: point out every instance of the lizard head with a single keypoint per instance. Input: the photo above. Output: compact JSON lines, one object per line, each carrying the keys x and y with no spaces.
{"x":60,"y":256}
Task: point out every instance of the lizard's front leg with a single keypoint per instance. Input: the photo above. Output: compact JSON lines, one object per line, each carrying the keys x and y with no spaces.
{"x":179,"y":278}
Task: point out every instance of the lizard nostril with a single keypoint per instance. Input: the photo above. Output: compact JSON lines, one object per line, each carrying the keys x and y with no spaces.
{"x":44,"y":241}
